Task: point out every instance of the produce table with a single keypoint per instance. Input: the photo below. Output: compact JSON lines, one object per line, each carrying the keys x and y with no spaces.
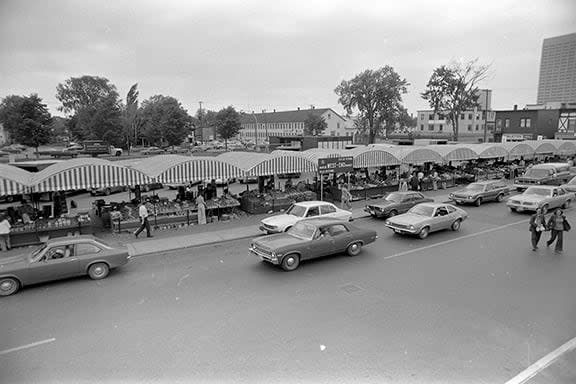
{"x":275,"y":201}
{"x":41,"y":230}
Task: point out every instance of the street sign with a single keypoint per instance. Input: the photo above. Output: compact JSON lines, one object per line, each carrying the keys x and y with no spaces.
{"x":336,"y":164}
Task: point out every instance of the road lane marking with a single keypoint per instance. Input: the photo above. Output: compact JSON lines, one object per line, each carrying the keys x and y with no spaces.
{"x":454,"y":240}
{"x":541,"y":364}
{"x":27,"y":346}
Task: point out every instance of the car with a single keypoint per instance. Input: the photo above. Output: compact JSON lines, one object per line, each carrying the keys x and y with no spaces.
{"x":425,"y":218}
{"x":60,"y":258}
{"x":545,"y":197}
{"x":310,"y":239}
{"x":395,"y":203}
{"x":148,"y":187}
{"x":481,"y":191}
{"x":74,"y":147}
{"x":543,"y":174}
{"x":248,"y":179}
{"x":570,"y":186}
{"x":152,"y":151}
{"x":108,"y":190}
{"x":300,"y":211}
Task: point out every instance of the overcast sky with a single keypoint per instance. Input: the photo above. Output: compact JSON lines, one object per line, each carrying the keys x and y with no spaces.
{"x":281,"y":55}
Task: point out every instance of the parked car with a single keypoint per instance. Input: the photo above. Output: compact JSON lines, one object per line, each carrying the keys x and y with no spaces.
{"x":481,"y":191}
{"x":108,"y":190}
{"x":248,"y":179}
{"x":300,"y":211}
{"x":152,"y":151}
{"x":395,"y":203}
{"x":570,"y":186}
{"x":545,"y":197}
{"x":424,"y":218}
{"x":148,"y":187}
{"x":310,"y":239}
{"x":60,"y":258}
{"x":14,"y":148}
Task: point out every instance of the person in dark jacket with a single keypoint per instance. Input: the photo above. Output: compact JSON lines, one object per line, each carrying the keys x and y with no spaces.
{"x":557,"y":227}
{"x":537,"y":226}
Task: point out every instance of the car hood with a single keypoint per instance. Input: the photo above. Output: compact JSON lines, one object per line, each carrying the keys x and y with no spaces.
{"x":408,"y":219}
{"x":11,"y":261}
{"x":273,"y":242}
{"x":282,"y":219}
{"x":465,"y":192}
{"x":530,"y":198}
{"x":382,"y":204}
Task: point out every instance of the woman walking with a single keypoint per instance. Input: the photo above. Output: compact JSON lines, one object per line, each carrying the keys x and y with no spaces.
{"x":537,"y":226}
{"x":557,"y":224}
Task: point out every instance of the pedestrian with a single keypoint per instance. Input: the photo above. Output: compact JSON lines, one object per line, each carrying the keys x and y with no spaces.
{"x":345,"y":197}
{"x":537,"y":226}
{"x":201,"y":205}
{"x":403,"y":186}
{"x":557,"y":224}
{"x":143,"y":213}
{"x":5,"y":234}
{"x":435,"y":179}
{"x":414,"y":183}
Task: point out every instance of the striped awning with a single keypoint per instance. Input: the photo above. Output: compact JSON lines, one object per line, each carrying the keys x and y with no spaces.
{"x":320,"y":153}
{"x":455,"y":152}
{"x":13,"y":180}
{"x":488,"y":150}
{"x":542,"y":147}
{"x":567,"y":147}
{"x":418,"y":155}
{"x":85,"y":173}
{"x":284,"y":162}
{"x":519,"y":149}
{"x":373,"y":156}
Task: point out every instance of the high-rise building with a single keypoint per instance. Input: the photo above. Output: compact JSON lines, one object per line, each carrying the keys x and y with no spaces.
{"x":557,"y":82}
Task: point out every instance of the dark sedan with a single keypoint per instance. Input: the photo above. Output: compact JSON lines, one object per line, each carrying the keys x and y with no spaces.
{"x":60,"y":258}
{"x":310,"y":239}
{"x":395,"y":203}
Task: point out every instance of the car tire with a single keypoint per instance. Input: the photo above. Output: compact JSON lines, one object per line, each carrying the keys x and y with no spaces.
{"x":98,"y":271}
{"x":9,"y":286}
{"x":478,"y":202}
{"x":545,"y":209}
{"x":424,"y":233}
{"x":512,"y":209}
{"x":499,"y":198}
{"x":354,"y":249}
{"x":392,"y":213}
{"x":290,"y":262}
{"x":566,"y":205}
{"x":456,"y":225}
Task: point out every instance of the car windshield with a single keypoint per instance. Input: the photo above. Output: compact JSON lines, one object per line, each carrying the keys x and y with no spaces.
{"x":538,"y":191}
{"x":394,"y":197}
{"x":475,"y":187}
{"x":302,"y":230}
{"x":296,"y":210}
{"x":422,"y":210}
{"x":537,"y":173}
{"x":573,"y":181}
{"x":37,"y":251}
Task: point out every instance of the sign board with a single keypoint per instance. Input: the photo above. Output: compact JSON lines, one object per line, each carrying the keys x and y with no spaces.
{"x":336,"y":164}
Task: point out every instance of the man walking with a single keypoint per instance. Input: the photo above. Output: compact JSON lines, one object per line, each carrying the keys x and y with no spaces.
{"x":557,"y":224}
{"x":143,"y":213}
{"x":5,"y":234}
{"x":537,"y":226}
{"x":345,"y":198}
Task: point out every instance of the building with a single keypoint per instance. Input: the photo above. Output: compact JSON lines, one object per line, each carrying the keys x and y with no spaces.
{"x":302,"y":143}
{"x":474,"y":126}
{"x":557,"y":80}
{"x":258,"y":127}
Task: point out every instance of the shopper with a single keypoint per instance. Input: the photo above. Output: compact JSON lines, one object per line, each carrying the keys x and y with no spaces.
{"x":537,"y":226}
{"x":5,"y":234}
{"x":143,"y":213}
{"x":345,"y":197}
{"x":557,"y":224}
{"x":201,"y":204}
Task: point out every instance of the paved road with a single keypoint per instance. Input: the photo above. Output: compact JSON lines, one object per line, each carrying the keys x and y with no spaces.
{"x":476,"y":306}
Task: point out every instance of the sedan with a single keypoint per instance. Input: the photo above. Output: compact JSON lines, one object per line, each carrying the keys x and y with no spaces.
{"x":300,"y":211}
{"x":395,"y":203}
{"x":152,"y":151}
{"x":545,"y":197}
{"x":570,"y":186}
{"x":427,"y":217}
{"x":60,"y":258}
{"x":311,"y":239}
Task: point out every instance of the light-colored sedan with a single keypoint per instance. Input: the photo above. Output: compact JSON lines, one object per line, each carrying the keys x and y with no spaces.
{"x":424,"y":218}
{"x":545,"y":197}
{"x":570,"y":186}
{"x":301,"y":211}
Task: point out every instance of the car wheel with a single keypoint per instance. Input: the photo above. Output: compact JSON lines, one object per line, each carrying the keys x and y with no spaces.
{"x":512,"y":209}
{"x":392,"y":213}
{"x":545,"y":209}
{"x":98,"y":271}
{"x":9,"y":286}
{"x":424,"y":233}
{"x":290,"y":262}
{"x":107,"y":191}
{"x":566,"y":204}
{"x":499,"y":198}
{"x":478,"y":202}
{"x":354,"y":249}
{"x":456,"y":225}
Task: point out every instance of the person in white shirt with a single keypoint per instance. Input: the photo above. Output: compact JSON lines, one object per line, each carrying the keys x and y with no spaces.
{"x":5,"y":234}
{"x":143,"y":213}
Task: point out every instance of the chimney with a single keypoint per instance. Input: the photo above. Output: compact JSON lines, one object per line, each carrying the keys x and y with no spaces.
{"x":274,"y":110}
{"x":298,"y":108}
{"x":515,"y":107}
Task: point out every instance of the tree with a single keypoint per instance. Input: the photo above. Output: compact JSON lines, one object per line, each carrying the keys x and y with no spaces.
{"x":227,"y":124}
{"x":377,"y":95}
{"x":405,"y":120}
{"x":314,"y":125}
{"x":130,"y":116}
{"x":79,"y":92}
{"x":27,"y":120}
{"x":164,"y":120}
{"x":453,"y":89}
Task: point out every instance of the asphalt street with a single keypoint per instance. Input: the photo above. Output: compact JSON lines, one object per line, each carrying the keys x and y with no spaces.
{"x":474,"y":306}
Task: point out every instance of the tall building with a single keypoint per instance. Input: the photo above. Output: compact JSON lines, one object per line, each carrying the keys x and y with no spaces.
{"x":557,"y":82}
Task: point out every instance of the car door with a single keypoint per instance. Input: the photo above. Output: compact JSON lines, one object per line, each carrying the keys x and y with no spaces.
{"x":322,"y":244}
{"x":341,"y":237}
{"x":561,"y":197}
{"x":86,"y":252}
{"x":327,"y":210}
{"x":438,"y":221}
{"x":57,"y":262}
{"x":407,"y":202}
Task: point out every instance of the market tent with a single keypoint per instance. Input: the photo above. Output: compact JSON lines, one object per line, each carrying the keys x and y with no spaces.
{"x":13,"y":180}
{"x":183,"y":169}
{"x":85,"y":173}
{"x":320,"y":153}
{"x":567,"y":147}
{"x":454,"y":152}
{"x":518,"y":150}
{"x":488,"y":150}
{"x":285,"y":162}
{"x":373,"y":156}
{"x":417,"y":155}
{"x":246,"y":161}
{"x":542,"y":147}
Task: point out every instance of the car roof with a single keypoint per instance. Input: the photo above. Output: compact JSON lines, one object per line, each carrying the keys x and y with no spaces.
{"x":434,"y":204}
{"x":71,"y":239}
{"x":322,"y":221}
{"x":312,"y":203}
{"x":544,"y":186}
{"x":550,"y":165}
{"x":484,"y":182}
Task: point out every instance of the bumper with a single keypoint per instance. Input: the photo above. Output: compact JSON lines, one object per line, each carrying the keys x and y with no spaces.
{"x":461,"y":200}
{"x":373,"y":213}
{"x":265,"y":257}
{"x":404,"y":230}
{"x":268,"y":231}
{"x":520,"y":207}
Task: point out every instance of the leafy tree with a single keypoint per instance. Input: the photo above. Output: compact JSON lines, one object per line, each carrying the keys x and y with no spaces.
{"x":377,"y":95}
{"x":59,"y":128}
{"x":453,"y":89}
{"x":101,"y":121}
{"x":27,"y":120}
{"x":132,"y":122}
{"x":406,"y":120}
{"x":164,"y":120}
{"x":314,"y":125}
{"x":227,"y":124}
{"x":79,"y":92}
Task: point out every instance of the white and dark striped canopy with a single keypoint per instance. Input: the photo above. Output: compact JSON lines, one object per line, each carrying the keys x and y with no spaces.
{"x":520,"y":149}
{"x":454,"y":152}
{"x":262,"y":164}
{"x":488,"y":150}
{"x":13,"y":180}
{"x":374,"y":156}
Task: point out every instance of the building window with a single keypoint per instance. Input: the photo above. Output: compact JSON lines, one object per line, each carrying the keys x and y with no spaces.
{"x":469,"y":116}
{"x":528,"y":123}
{"x":431,"y":116}
{"x":430,"y":127}
{"x":422,"y":117}
{"x":332,"y":133}
{"x":477,"y":116}
{"x":329,"y":115}
{"x":338,"y":125}
{"x":522,"y":123}
{"x":440,"y":116}
{"x":421,"y":127}
{"x":441,"y":127}
{"x":469,"y":127}
{"x":499,"y":124}
{"x":477,"y":127}
{"x":506,"y":123}
{"x":461,"y":116}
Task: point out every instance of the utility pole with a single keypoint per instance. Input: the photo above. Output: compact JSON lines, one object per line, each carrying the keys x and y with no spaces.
{"x":201,"y":128}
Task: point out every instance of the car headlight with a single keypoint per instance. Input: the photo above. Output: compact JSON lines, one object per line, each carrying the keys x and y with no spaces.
{"x":470,"y":197}
{"x":451,"y":195}
{"x":387,"y":222}
{"x":411,"y":227}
